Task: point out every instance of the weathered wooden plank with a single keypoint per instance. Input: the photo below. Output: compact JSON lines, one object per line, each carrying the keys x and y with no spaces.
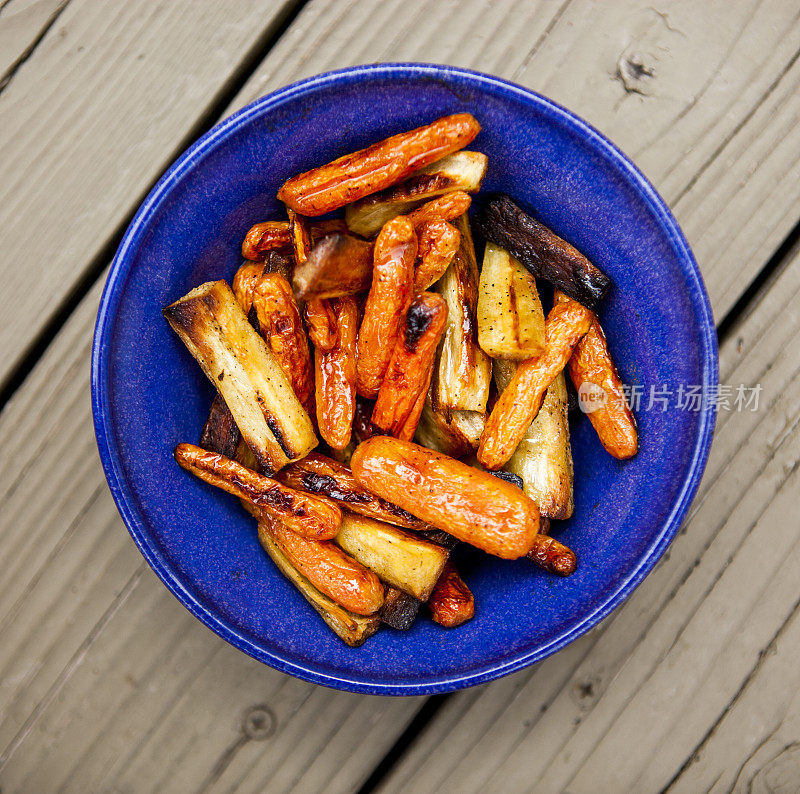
{"x":90,"y":120}
{"x":22,"y":24}
{"x":105,"y":680}
{"x":714,"y":125}
{"x":565,"y":723}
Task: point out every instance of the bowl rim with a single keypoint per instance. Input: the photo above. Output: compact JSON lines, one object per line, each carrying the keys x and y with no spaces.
{"x":120,"y":269}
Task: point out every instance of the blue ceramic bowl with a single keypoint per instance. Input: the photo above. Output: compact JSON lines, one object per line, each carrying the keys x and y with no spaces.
{"x":148,"y":394}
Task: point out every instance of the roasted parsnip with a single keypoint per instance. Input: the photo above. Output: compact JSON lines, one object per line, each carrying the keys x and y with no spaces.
{"x":520,"y":401}
{"x":454,"y":433}
{"x":401,"y":559}
{"x":451,"y":602}
{"x":237,"y":361}
{"x":353,"y":629}
{"x":317,"y":474}
{"x":399,"y":610}
{"x":591,"y":364}
{"x":542,"y":251}
{"x":543,"y":457}
{"x":463,"y":375}
{"x":467,"y":503}
{"x":281,"y":325}
{"x":329,"y":569}
{"x":510,"y":316}
{"x":437,"y":244}
{"x":309,"y":515}
{"x":445,"y":208}
{"x":339,"y":264}
{"x":265,"y":237}
{"x":402,"y":394}
{"x":459,"y":171}
{"x":220,"y":433}
{"x":387,"y":303}
{"x":380,"y":166}
{"x":553,"y":556}
{"x":336,"y":377}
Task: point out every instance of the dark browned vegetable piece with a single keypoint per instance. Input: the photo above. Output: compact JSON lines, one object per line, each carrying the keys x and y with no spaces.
{"x":451,"y":602}
{"x":399,"y":609}
{"x":514,"y":479}
{"x":542,"y":251}
{"x":553,"y":556}
{"x":338,"y":265}
{"x":220,"y":433}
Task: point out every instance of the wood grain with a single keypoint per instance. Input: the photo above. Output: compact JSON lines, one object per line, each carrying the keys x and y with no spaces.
{"x":90,"y":120}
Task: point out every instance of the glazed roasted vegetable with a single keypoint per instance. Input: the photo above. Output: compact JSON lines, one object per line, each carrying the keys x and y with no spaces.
{"x":591,"y":364}
{"x":469,"y":504}
{"x":281,"y":326}
{"x":445,"y":208}
{"x":378,"y":167}
{"x":399,"y":610}
{"x":329,"y":569}
{"x":339,"y":264}
{"x":387,"y":303}
{"x":463,"y":374}
{"x":454,"y":433}
{"x":244,"y":284}
{"x":236,"y":360}
{"x":520,"y":401}
{"x":281,"y":262}
{"x":220,"y":433}
{"x":265,"y":237}
{"x":438,"y":243}
{"x":553,"y":556}
{"x":543,"y":252}
{"x":459,"y":171}
{"x":543,"y":457}
{"x":510,"y":316}
{"x":451,"y":602}
{"x":353,"y":629}
{"x":336,"y":377}
{"x":399,"y":558}
{"x":317,"y":474}
{"x":402,"y":394}
{"x":321,"y":319}
{"x":311,"y":516}
{"x":301,"y":236}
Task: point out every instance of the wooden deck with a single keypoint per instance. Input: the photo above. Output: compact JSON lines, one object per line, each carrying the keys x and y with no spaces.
{"x":108,"y":685}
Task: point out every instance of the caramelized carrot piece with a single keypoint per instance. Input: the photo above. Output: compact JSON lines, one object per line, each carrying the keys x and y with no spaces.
{"x":451,"y":602}
{"x":265,"y":237}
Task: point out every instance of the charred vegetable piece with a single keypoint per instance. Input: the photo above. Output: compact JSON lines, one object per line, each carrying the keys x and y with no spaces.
{"x":400,"y":558}
{"x":265,"y":237}
{"x":451,"y":602}
{"x":399,"y":609}
{"x":301,"y":236}
{"x":329,"y":569}
{"x":508,"y":476}
{"x":520,"y":401}
{"x":402,"y":394}
{"x":543,"y":458}
{"x":380,"y":166}
{"x":212,"y":325}
{"x":454,"y":433}
{"x":336,"y":377}
{"x":510,"y":316}
{"x":220,"y":433}
{"x":281,"y":262}
{"x":464,"y":372}
{"x":317,"y":474}
{"x":460,"y":171}
{"x":339,"y":264}
{"x":438,"y":243}
{"x":387,"y":303}
{"x":351,"y":628}
{"x":281,"y":325}
{"x":553,"y":556}
{"x":542,"y":251}
{"x":311,"y":516}
{"x":469,"y":504}
{"x":591,"y":365}
{"x":446,"y":208}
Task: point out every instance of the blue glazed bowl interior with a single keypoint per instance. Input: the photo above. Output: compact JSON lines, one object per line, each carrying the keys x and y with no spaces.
{"x":149,"y":394}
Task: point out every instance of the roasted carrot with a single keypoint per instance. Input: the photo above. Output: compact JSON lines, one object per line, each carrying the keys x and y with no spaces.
{"x":445,"y":208}
{"x":451,"y":602}
{"x":265,"y":237}
{"x":437,"y":244}
{"x":553,"y":556}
